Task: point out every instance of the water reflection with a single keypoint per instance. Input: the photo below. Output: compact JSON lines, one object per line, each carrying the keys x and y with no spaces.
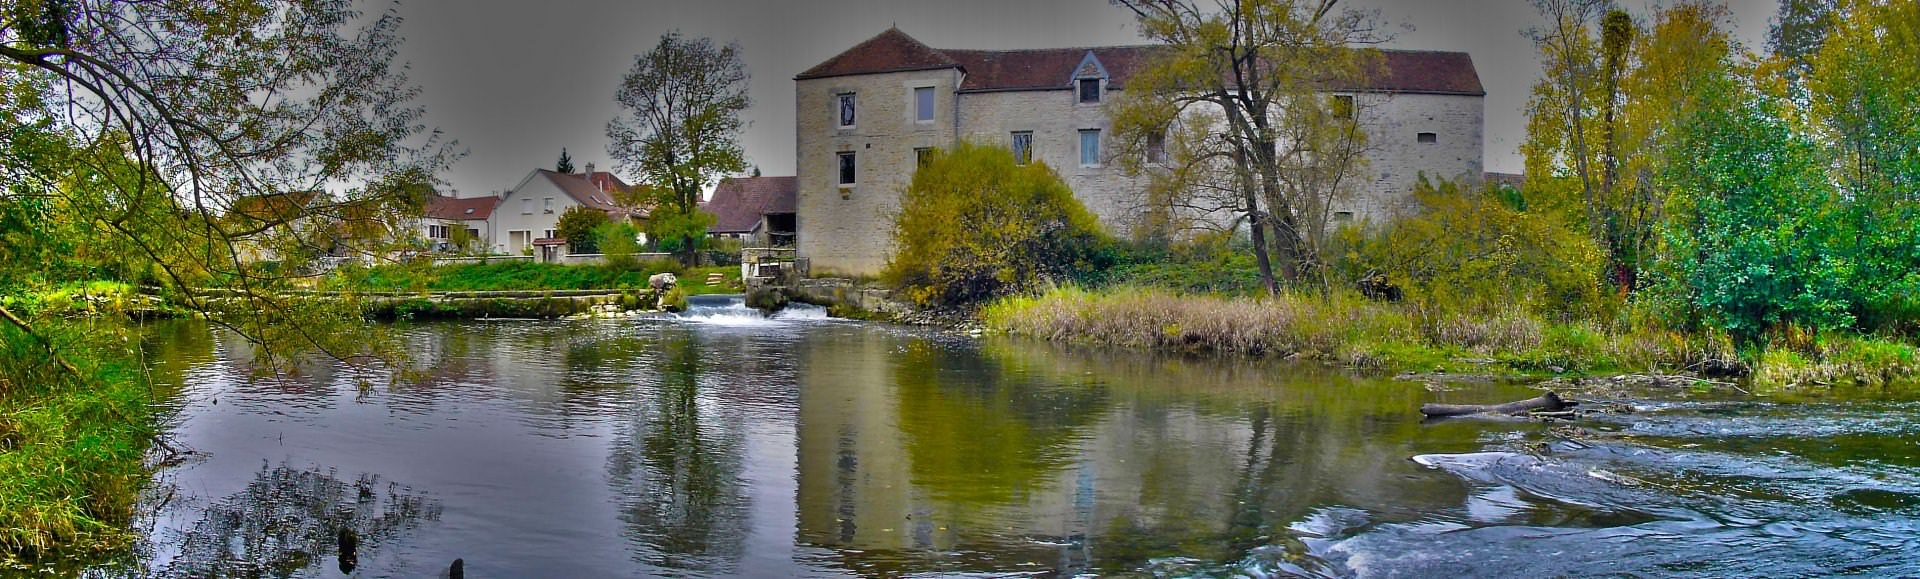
{"x":290,"y":521}
{"x":804,"y":447}
{"x":675,"y":465}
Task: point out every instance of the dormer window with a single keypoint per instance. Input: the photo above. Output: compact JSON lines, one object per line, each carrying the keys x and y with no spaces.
{"x":846,"y":110}
{"x":1089,"y":91}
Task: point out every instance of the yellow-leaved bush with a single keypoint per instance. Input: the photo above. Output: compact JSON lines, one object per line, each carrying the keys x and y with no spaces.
{"x":1467,"y":251}
{"x":973,"y":225}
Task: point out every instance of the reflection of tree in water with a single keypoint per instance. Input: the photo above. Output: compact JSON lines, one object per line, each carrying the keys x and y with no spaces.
{"x":677,"y":472}
{"x":982,"y":435}
{"x":288,"y":520}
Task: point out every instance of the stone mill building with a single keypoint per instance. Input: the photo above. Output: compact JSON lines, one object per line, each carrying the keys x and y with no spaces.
{"x":866,"y":115}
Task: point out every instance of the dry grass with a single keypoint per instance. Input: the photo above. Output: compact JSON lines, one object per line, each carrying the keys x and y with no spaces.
{"x":1284,"y":326}
{"x":1348,"y":329}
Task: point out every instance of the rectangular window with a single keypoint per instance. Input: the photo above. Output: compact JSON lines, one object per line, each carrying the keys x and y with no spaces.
{"x":473,"y":233}
{"x":846,"y":169}
{"x":1343,"y":106}
{"x":526,"y":206}
{"x":552,"y":234}
{"x":1022,"y":147}
{"x":546,"y":205}
{"x":1089,"y":90}
{"x":923,"y":104}
{"x":1157,"y":147}
{"x":1090,"y":148}
{"x":1428,"y":138}
{"x":1343,"y":217}
{"x":922,"y":155}
{"x":846,"y":110}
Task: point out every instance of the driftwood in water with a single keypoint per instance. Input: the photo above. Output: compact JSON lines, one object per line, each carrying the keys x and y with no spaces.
{"x":1548,"y":402}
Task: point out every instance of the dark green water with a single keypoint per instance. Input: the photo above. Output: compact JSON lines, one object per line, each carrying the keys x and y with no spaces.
{"x":728,"y":445}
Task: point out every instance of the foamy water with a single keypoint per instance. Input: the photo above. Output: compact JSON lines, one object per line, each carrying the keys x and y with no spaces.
{"x":732,"y":311}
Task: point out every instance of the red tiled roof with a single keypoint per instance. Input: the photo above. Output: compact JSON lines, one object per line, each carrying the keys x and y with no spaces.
{"x":1425,"y":71}
{"x":739,"y":202}
{"x":586,"y":190}
{"x":1414,"y":71}
{"x":890,"y":51}
{"x":1046,"y":68}
{"x":443,"y":207}
{"x":273,"y":206}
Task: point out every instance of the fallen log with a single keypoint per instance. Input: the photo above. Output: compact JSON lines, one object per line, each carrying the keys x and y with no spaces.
{"x":1549,"y":402}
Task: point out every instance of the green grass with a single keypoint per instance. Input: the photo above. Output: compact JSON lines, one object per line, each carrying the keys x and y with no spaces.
{"x":71,"y":446}
{"x":529,"y":276}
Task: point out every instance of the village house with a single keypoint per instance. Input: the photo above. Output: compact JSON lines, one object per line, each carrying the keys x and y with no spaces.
{"x":757,"y":210}
{"x":867,"y":115}
{"x":447,"y":217}
{"x":527,"y":215}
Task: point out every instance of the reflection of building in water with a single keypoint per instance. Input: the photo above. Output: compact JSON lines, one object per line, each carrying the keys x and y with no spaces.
{"x":942,"y":458}
{"x":932,"y":457}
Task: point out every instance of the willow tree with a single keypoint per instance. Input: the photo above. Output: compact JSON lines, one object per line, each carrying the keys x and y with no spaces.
{"x":1234,"y":116}
{"x":170,"y":141}
{"x":681,"y":103}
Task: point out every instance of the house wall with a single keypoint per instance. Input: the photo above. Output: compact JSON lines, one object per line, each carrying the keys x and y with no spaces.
{"x":850,"y":230}
{"x":1056,"y":118}
{"x":484,"y":238}
{"x":511,"y":216}
{"x":1393,"y":124}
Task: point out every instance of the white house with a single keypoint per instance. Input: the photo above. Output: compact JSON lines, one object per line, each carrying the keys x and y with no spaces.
{"x":530,"y":211}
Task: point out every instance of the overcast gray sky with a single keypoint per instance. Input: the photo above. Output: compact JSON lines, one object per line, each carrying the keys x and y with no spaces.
{"x":515,"y":81}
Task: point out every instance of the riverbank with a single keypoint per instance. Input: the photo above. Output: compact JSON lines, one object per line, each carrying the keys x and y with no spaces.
{"x":528,"y":276}
{"x":1349,"y":330}
{"x":74,"y":429}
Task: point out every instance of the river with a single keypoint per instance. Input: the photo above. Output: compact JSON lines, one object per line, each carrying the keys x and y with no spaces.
{"x":725,"y":443}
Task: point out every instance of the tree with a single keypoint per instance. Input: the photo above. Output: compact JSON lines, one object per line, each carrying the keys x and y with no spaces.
{"x":682,"y":103}
{"x":1759,"y":246}
{"x":1559,"y":159}
{"x":566,"y":163}
{"x":618,"y":241}
{"x":576,"y":225}
{"x":1239,"y":103}
{"x":1687,"y":50}
{"x":150,"y":126}
{"x":1864,"y":93}
{"x":1796,"y":35}
{"x":973,"y":225}
{"x":138,"y":141}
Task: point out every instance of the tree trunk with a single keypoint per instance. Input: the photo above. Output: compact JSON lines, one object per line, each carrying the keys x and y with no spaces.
{"x":1256,"y":228}
{"x":1549,"y":402}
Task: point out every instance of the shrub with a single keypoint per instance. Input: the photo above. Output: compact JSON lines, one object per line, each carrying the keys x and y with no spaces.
{"x":577,"y":224}
{"x":973,"y":225}
{"x":618,"y":241}
{"x":1467,"y":251}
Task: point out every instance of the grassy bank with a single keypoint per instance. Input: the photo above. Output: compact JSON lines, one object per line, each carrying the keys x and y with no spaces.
{"x":531,"y":276}
{"x":1350,"y":330}
{"x":72,"y":439}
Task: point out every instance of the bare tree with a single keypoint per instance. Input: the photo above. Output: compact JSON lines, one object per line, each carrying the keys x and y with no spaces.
{"x":1240,"y":104}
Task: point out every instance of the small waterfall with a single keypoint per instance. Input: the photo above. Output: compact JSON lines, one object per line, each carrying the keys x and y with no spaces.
{"x":732,"y":310}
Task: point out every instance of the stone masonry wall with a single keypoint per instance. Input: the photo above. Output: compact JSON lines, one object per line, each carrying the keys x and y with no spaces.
{"x":1056,"y":118}
{"x":1393,"y":124}
{"x":849,"y":230}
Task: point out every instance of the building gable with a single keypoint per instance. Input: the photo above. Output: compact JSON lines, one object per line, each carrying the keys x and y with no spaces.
{"x":1090,"y":67}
